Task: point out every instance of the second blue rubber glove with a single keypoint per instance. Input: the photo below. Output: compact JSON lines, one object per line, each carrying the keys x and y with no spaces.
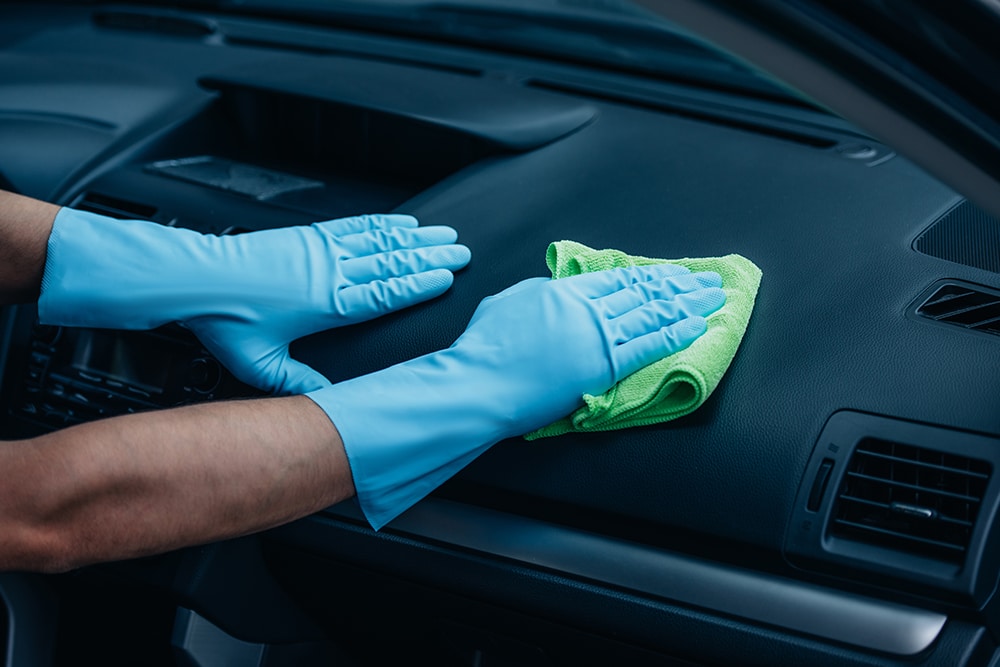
{"x":526,"y":359}
{"x":247,"y":296}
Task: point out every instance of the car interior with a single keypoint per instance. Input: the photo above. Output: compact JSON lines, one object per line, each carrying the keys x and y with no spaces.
{"x":832,"y":502}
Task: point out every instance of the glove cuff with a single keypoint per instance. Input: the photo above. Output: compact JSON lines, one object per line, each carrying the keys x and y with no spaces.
{"x":408,"y":429}
{"x":127,"y":274}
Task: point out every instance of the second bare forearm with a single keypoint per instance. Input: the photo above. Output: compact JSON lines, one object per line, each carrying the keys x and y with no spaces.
{"x":149,"y":483}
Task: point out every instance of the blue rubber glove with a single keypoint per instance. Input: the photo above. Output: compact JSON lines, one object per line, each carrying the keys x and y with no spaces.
{"x":525,"y":360}
{"x":246,"y":297}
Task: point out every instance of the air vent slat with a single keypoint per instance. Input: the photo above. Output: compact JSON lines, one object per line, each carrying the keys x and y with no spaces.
{"x":902,"y":536}
{"x":988,"y":322}
{"x":947,"y":297}
{"x":948,"y":302}
{"x":887,"y":507}
{"x":910,"y":499}
{"x":922,"y":464}
{"x":976,"y":309}
{"x":914,"y":487}
{"x":977,"y":315}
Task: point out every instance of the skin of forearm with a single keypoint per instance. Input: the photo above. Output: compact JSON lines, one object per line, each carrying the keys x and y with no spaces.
{"x":25,"y":225}
{"x":149,"y":483}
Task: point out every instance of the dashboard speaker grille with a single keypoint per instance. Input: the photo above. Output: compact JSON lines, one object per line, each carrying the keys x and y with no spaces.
{"x":911,"y":499}
{"x":966,"y":234}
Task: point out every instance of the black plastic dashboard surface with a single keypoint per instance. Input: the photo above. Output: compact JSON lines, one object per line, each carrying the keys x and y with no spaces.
{"x":831,"y":233}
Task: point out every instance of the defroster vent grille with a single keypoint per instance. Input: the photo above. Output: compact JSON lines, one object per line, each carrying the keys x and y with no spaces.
{"x":911,"y":499}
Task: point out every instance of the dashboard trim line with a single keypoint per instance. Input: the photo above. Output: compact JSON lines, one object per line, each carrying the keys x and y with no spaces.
{"x":792,"y":605}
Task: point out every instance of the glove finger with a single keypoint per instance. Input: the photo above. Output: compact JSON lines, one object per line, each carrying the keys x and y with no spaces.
{"x":633,"y":296}
{"x":602,"y":283}
{"x":397,"y":238}
{"x":659,"y":313}
{"x":365,"y":223}
{"x":404,"y":262}
{"x":647,"y":349}
{"x":363,"y":302}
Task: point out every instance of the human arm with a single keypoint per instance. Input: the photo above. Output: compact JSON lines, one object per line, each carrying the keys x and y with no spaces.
{"x":148,"y":483}
{"x":25,"y":225}
{"x":527,"y":358}
{"x":247,"y":297}
{"x":156,"y":481}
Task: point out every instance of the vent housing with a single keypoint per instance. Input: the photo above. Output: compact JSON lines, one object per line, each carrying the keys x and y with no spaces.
{"x":899,"y":504}
{"x":912,"y":499}
{"x":964,"y":305}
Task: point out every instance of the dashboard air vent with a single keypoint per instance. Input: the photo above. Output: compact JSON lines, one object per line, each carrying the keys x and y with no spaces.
{"x":911,"y":499}
{"x":114,"y":207}
{"x":963,"y":305}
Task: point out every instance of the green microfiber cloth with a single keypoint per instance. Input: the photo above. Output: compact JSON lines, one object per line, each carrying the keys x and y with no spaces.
{"x":680,"y":383}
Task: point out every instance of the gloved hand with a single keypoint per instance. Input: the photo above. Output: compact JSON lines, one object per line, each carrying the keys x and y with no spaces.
{"x":246,"y":296}
{"x":525,"y":360}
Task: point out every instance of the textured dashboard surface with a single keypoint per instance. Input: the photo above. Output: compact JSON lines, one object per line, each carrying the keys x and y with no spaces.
{"x":832,"y":235}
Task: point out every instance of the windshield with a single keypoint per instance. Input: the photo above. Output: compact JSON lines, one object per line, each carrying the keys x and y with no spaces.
{"x":613,"y":34}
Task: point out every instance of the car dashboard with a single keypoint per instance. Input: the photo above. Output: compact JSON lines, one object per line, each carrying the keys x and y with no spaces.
{"x":831,"y":503}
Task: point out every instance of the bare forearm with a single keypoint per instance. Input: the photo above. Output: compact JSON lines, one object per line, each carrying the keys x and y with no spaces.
{"x":150,"y":483}
{"x":25,"y":225}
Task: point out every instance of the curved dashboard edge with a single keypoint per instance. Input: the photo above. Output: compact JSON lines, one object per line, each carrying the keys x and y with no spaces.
{"x":514,"y":118}
{"x":30,"y":613}
{"x":844,"y":617}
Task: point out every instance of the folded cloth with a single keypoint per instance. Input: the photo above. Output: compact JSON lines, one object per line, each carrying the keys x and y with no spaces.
{"x":675,"y":385}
